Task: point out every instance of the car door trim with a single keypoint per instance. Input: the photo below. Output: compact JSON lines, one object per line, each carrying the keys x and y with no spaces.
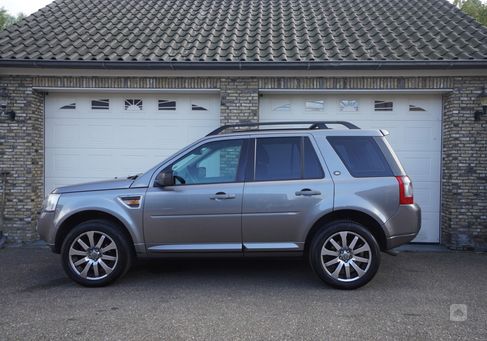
{"x":283,"y":246}
{"x":200,"y":247}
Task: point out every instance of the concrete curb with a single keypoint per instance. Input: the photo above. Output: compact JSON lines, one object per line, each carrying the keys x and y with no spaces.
{"x":414,"y":247}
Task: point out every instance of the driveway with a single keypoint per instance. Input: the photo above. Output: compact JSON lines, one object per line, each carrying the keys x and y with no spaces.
{"x":249,"y":299}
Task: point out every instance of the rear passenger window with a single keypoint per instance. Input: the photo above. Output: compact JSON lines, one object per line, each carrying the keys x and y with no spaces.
{"x":361,"y":155}
{"x":286,"y":158}
{"x":312,"y":166}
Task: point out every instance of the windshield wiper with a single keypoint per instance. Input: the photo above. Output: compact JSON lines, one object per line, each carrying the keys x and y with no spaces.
{"x":133,"y":177}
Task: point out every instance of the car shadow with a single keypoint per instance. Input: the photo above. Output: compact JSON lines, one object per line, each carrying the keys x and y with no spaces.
{"x":280,"y":272}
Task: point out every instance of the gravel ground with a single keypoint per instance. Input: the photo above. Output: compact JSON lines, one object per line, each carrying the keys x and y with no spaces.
{"x":247,"y":299}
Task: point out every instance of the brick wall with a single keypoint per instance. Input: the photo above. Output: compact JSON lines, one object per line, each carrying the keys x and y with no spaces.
{"x":464,"y":185}
{"x":22,"y":154}
{"x":239,"y":100}
{"x":464,"y":178}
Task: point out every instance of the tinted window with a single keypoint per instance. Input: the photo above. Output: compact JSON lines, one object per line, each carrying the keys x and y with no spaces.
{"x":213,"y":162}
{"x":281,"y":158}
{"x":361,"y":155}
{"x":312,"y":166}
{"x":278,"y":159}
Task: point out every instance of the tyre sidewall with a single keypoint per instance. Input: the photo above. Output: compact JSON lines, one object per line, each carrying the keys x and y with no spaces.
{"x":113,"y":231}
{"x":327,"y":231}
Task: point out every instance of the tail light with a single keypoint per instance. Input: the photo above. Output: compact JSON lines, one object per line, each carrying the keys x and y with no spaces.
{"x":405,"y":190}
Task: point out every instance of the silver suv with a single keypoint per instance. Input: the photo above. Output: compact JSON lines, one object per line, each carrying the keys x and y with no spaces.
{"x":336,"y":196}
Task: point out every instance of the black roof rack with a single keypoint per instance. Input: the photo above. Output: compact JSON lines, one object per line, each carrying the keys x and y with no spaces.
{"x":313,"y":125}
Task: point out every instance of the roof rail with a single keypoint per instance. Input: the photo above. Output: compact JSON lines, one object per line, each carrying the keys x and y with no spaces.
{"x":313,"y":125}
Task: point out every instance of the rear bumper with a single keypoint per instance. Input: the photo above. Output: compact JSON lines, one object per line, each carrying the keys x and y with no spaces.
{"x":403,"y":226}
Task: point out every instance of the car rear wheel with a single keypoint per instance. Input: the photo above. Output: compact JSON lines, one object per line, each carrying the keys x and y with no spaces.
{"x":96,"y":253}
{"x":344,"y":254}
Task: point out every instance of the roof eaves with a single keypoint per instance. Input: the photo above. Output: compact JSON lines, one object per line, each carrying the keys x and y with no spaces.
{"x":284,"y":65}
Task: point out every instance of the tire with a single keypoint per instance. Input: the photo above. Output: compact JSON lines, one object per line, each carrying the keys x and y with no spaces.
{"x":96,"y":253}
{"x":329,"y":258}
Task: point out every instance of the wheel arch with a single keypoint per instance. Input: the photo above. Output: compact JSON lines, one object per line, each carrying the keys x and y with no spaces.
{"x":370,"y":223}
{"x":72,"y":221}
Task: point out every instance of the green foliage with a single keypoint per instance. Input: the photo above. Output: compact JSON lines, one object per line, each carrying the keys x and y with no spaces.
{"x":8,"y":19}
{"x":475,"y":8}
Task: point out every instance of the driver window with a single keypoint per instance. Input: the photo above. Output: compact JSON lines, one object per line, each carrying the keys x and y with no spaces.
{"x":213,"y":162}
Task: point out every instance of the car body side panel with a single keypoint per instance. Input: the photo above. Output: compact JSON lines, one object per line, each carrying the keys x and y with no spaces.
{"x":102,"y":201}
{"x":377,"y":197}
{"x":274,"y":214}
{"x":187,"y":215}
{"x":276,"y":218}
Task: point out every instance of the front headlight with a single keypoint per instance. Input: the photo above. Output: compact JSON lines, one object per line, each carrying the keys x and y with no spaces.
{"x":51,"y":202}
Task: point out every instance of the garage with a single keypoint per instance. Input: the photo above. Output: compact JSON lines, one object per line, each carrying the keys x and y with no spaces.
{"x":99,"y":135}
{"x":414,"y":123}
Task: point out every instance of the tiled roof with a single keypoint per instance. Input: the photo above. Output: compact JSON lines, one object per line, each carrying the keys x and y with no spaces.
{"x":261,"y":33}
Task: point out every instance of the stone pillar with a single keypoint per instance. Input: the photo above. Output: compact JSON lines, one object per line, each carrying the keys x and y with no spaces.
{"x":22,"y":155}
{"x":239,"y":100}
{"x":464,"y":180}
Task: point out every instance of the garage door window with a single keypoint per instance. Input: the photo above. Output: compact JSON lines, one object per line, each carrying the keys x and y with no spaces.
{"x":71,"y":106}
{"x":349,"y":105}
{"x":383,"y":105}
{"x":314,"y":106}
{"x":413,"y":107}
{"x":166,"y":104}
{"x":196,"y":107}
{"x":100,"y":104}
{"x":133,"y":105}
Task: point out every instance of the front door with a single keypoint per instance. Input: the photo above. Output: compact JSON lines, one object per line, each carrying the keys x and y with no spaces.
{"x":286,"y":194}
{"x":202,"y":211}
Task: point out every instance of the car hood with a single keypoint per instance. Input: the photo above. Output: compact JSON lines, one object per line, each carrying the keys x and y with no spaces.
{"x":96,"y":186}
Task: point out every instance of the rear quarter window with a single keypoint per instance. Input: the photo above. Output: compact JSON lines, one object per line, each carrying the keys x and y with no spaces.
{"x":361,"y":155}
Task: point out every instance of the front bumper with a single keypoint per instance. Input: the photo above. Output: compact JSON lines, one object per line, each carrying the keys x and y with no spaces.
{"x":45,"y":228}
{"x":403,"y":226}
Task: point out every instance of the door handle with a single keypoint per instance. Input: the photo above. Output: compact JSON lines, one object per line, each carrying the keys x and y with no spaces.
{"x":222,"y":196}
{"x":307,"y":192}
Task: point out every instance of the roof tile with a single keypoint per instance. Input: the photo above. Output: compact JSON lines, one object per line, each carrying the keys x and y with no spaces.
{"x":246,"y":30}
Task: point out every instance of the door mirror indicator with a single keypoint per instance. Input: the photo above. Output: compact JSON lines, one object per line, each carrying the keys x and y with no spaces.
{"x":164,"y":179}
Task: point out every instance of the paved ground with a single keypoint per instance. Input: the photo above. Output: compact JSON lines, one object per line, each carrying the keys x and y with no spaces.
{"x":409,"y":298}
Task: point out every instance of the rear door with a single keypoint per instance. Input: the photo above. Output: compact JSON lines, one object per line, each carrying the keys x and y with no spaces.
{"x":288,"y":188}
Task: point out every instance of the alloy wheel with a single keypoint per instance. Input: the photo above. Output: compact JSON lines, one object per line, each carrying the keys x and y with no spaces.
{"x":93,"y":255}
{"x":346,"y":256}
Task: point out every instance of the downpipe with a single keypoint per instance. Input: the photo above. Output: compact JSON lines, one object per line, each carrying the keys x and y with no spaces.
{"x":3,"y":239}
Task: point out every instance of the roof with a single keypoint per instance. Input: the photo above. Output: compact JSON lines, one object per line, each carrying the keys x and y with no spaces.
{"x":240,"y":34}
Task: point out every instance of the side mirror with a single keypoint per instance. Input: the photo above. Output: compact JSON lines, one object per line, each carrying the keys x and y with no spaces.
{"x":164,"y":179}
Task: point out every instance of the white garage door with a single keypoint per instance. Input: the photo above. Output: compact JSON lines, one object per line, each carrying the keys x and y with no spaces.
{"x":414,"y":122}
{"x":97,"y":136}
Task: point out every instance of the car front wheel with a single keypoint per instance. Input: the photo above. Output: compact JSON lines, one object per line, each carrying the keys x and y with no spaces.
{"x":95,"y":253}
{"x":344,"y":254}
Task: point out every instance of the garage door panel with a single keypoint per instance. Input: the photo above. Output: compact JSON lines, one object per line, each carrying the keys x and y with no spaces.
{"x":425,"y":195}
{"x":61,"y":163}
{"x":68,"y":133}
{"x":421,"y":166}
{"x":414,"y":124}
{"x":83,"y":144}
{"x":430,"y":227}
